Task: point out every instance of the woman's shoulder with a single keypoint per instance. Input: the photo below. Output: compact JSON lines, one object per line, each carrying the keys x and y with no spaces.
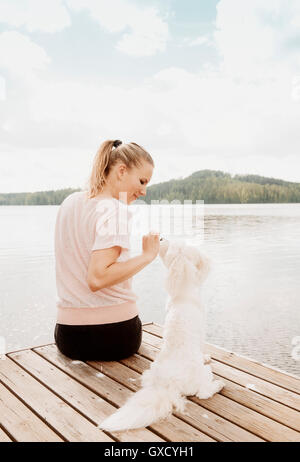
{"x":72,"y":197}
{"x":107,"y":207}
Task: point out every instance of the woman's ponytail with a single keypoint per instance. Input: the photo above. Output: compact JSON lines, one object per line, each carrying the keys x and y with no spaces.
{"x":109,"y":153}
{"x":100,"y":168}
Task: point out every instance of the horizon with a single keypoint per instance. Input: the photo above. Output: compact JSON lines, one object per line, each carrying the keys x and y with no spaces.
{"x":196,"y":87}
{"x":179,"y":178}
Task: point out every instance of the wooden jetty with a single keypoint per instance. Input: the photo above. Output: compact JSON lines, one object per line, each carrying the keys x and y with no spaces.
{"x":45,"y":396}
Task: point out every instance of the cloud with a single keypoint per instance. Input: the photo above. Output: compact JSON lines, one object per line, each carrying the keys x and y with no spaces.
{"x":2,"y":88}
{"x":198,"y":112}
{"x":254,"y":38}
{"x":35,"y":15}
{"x":199,"y":41}
{"x":240,"y":116}
{"x":24,"y":57}
{"x":144,"y":32}
{"x":43,"y":169}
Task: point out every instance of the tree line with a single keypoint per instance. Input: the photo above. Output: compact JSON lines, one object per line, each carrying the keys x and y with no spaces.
{"x":217,"y":187}
{"x":211,"y":186}
{"x":36,"y":198}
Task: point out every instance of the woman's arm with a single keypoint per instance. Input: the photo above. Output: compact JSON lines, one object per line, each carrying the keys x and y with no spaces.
{"x":105,"y":271}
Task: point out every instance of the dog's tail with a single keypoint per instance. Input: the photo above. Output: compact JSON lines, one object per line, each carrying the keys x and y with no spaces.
{"x":144,"y":408}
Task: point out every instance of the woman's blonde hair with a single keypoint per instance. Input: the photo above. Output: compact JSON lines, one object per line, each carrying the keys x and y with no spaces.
{"x":108,"y":155}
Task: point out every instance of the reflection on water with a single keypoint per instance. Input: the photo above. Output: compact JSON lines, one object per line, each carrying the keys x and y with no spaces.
{"x":253,"y":286}
{"x":252,"y":295}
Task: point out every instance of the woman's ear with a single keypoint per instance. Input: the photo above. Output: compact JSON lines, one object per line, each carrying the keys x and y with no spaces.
{"x":121,"y":169}
{"x":181,"y":273}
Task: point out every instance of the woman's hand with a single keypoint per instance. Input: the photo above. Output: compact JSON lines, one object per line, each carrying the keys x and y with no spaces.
{"x":151,"y":245}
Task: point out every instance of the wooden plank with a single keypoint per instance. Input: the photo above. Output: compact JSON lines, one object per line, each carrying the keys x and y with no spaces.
{"x":263,"y":371}
{"x":100,"y":384}
{"x":245,"y":396}
{"x":152,"y":339}
{"x":4,"y":438}
{"x":20,"y":422}
{"x":266,"y":406}
{"x":247,"y":418}
{"x":27,"y":348}
{"x":258,"y":385}
{"x":173,"y":428}
{"x":86,"y":401}
{"x":68,"y":398}
{"x":71,"y":425}
{"x":243,"y":416}
{"x":112,"y":390}
{"x":206,"y":421}
{"x":155,"y":328}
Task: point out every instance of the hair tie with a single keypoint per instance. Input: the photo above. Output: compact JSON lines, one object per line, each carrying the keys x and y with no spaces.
{"x":117,"y":143}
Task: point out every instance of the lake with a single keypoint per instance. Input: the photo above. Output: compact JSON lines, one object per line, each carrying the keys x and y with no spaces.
{"x":252,"y":295}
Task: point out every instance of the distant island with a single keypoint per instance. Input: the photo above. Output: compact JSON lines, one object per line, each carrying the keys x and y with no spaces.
{"x":212,"y":186}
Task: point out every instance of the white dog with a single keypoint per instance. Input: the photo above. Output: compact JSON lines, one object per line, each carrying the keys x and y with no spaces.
{"x":179,"y":369}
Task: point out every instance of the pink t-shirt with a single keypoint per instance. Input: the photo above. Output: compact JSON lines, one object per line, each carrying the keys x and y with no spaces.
{"x":84,"y":225}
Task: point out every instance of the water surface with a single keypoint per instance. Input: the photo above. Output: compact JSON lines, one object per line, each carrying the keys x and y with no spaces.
{"x":252,"y":295}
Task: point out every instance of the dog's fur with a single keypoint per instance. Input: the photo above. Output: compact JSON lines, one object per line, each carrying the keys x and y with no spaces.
{"x":180,"y":367}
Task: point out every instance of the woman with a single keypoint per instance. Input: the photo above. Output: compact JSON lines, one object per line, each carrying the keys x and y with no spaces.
{"x":97,"y":315}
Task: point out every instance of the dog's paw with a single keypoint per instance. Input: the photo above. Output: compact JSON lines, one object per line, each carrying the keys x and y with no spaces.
{"x":211,"y":390}
{"x":180,"y":405}
{"x":207,"y":359}
{"x":218,"y":385}
{"x":204,"y":394}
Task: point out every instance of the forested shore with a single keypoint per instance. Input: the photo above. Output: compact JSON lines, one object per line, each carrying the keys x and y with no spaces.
{"x":211,"y":186}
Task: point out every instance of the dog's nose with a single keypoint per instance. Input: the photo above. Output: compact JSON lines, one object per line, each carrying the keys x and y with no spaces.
{"x":163,"y":247}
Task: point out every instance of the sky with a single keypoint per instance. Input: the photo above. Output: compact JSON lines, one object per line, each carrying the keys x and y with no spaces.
{"x":200,"y":84}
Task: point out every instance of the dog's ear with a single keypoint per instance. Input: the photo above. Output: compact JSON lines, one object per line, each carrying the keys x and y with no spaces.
{"x":181,"y":273}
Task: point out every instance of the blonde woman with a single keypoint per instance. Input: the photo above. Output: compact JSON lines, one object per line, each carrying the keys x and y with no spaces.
{"x":97,"y":314}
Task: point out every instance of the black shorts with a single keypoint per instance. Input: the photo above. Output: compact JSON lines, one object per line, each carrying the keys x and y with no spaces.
{"x":101,"y":342}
